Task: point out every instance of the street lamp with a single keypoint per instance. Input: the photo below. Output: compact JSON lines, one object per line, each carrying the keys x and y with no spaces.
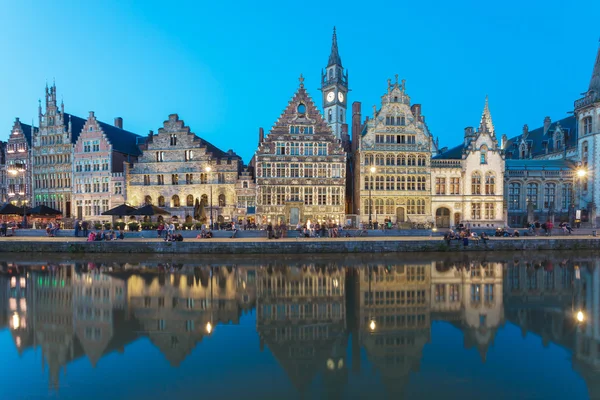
{"x":581,"y":173}
{"x":372,"y":170}
{"x":207,"y":169}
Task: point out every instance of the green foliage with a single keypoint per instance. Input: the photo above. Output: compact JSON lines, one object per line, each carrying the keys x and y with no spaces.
{"x":134,"y":226}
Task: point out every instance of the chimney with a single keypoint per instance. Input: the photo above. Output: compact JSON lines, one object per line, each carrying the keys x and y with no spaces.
{"x":356,"y":125}
{"x":416,"y":110}
{"x":119,"y":122}
{"x":261,"y":135}
{"x":525,"y":130}
{"x":547,"y":122}
{"x":150,"y":133}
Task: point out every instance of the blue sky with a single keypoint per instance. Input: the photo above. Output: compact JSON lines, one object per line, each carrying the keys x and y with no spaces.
{"x":228,"y":68}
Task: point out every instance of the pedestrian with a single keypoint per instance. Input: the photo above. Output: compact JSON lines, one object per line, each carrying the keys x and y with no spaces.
{"x":234,"y":229}
{"x":549,"y":226}
{"x":84,"y":228}
{"x":269,"y":231}
{"x":76,"y":228}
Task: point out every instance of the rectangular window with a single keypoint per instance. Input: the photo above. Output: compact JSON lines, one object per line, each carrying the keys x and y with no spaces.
{"x":454,"y":293}
{"x":295,"y":149}
{"x":336,"y":198}
{"x":488,"y":293}
{"x":322,"y":149}
{"x":440,"y":293}
{"x":294,"y":194}
{"x":308,"y":149}
{"x":321,"y":196}
{"x":490,"y":211}
{"x":280,"y":148}
{"x":336,"y":171}
{"x":567,"y":193}
{"x":440,"y":185}
{"x":308,"y":196}
{"x":308,"y":170}
{"x":279,"y":195}
{"x":295,"y":170}
{"x":475,"y":294}
{"x":280,"y":170}
{"x":476,"y":211}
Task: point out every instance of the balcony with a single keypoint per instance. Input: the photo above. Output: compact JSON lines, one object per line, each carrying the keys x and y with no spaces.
{"x":392,"y":147}
{"x":445,"y":163}
{"x":587,"y":100}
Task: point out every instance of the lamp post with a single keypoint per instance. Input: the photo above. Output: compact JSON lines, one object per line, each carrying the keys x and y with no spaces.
{"x":372,"y":170}
{"x":207,"y":169}
{"x":581,"y":173}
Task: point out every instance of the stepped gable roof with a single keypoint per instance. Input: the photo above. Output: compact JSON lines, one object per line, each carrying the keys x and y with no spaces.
{"x":291,"y":115}
{"x":454,"y":153}
{"x":27,"y":130}
{"x":122,"y":141}
{"x":535,"y":138}
{"x":77,"y":125}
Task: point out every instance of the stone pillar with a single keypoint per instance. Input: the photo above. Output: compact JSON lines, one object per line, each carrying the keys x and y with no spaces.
{"x":530,"y":216}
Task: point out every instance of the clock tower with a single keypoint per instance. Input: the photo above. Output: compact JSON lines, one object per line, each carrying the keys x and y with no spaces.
{"x":334,"y":85}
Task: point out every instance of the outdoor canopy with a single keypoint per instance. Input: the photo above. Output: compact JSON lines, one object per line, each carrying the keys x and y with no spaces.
{"x":43,"y":210}
{"x":149,"y":209}
{"x":121,"y":210}
{"x":11,"y":209}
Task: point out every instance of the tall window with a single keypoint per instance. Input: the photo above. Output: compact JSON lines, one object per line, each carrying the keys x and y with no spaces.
{"x":440,"y":185}
{"x":308,"y":196}
{"x":175,"y":179}
{"x":567,"y":194}
{"x":532,"y":194}
{"x":514,"y":196}
{"x":321,"y":196}
{"x":379,"y":160}
{"x":390,"y":160}
{"x":160,"y":156}
{"x":379,"y":206}
{"x":175,"y":201}
{"x":454,"y":185}
{"x":308,"y":170}
{"x":483,"y":155}
{"x":421,"y":161}
{"x":587,"y":125}
{"x":161,"y":201}
{"x":189,"y":200}
{"x":476,"y":211}
{"x":280,"y":148}
{"x":584,"y":154}
{"x":401,"y":160}
{"x":476,"y":183}
{"x":222,"y":200}
{"x":294,"y":170}
{"x":490,"y":183}
{"x":146,"y":180}
{"x":189,"y":154}
{"x":421,"y":183}
{"x":336,"y":198}
{"x":549,"y":195}
{"x":490,"y":211}
{"x":173,"y":139}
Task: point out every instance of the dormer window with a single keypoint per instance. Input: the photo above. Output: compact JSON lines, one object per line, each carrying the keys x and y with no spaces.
{"x":301,"y":109}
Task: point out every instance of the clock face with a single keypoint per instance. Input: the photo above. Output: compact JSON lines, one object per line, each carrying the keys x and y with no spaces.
{"x":330,"y":96}
{"x":341,"y":97}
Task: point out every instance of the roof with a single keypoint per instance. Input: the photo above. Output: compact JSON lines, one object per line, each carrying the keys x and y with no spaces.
{"x":536,"y":138}
{"x":76,"y":126}
{"x":27,"y":132}
{"x":547,"y":165}
{"x":334,"y":57}
{"x":122,"y":141}
{"x":216,"y":152}
{"x":595,"y":81}
{"x":454,"y":153}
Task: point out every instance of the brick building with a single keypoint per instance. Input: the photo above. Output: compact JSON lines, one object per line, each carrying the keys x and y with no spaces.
{"x":18,"y":165}
{"x":99,"y":155}
{"x":300,"y":167}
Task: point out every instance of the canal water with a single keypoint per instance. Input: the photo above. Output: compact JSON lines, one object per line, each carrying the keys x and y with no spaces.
{"x":429,"y":326}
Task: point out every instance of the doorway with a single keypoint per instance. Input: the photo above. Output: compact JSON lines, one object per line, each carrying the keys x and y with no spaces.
{"x":400,"y":214}
{"x":294,"y":215}
{"x":442,"y":217}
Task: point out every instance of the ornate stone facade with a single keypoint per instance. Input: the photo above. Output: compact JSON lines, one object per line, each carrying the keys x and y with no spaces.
{"x":18,"y":166}
{"x":468,"y":180}
{"x":300,"y":167}
{"x":394,"y":153}
{"x":180,"y":171}
{"x":52,"y":155}
{"x":98,"y":157}
{"x":245,"y":192}
{"x":3,"y":182}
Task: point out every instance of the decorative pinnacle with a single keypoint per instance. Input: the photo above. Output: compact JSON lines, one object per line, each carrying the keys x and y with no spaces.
{"x":301,"y":79}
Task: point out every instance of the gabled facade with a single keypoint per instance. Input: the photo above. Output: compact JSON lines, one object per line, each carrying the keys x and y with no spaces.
{"x":394,"y":151}
{"x":180,"y":171}
{"x":18,"y":164}
{"x":52,"y":155}
{"x":3,"y":196}
{"x":300,"y":168}
{"x":99,"y":155}
{"x":468,"y":180}
{"x":245,"y":193}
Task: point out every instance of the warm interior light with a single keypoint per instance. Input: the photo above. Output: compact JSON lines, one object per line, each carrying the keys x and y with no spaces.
{"x":373,"y":169}
{"x":372,"y":325}
{"x":207,"y":169}
{"x":580,"y":316}
{"x":15,"y":321}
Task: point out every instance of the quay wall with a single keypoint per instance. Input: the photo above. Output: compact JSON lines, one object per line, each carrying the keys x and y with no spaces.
{"x":291,"y":246}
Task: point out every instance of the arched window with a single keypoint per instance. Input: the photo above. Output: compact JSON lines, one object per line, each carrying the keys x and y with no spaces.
{"x":175,"y":201}
{"x":161,"y":201}
{"x":221,"y":200}
{"x":173,"y":139}
{"x":203,"y":178}
{"x":189,"y":200}
{"x":421,"y":161}
{"x":390,"y":160}
{"x":204,"y":199}
{"x":401,"y":160}
{"x":368,"y":206}
{"x":379,"y":182}
{"x":379,"y":160}
{"x":532,"y":194}
{"x":483,"y":155}
{"x":369,"y":179}
{"x":476,"y":183}
{"x":378,"y":206}
{"x":412,"y":160}
{"x":549,"y":195}
{"x":490,"y":183}
{"x":148,"y":200}
{"x":369,"y":159}
{"x":514,"y":196}
{"x":389,"y":183}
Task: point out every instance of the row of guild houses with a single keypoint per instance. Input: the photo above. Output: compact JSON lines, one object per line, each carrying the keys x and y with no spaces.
{"x":313,"y":165}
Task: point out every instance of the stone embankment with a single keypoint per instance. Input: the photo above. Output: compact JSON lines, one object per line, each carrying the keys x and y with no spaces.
{"x":26,"y":244}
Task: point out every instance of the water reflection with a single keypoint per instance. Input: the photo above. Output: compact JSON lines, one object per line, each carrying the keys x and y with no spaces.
{"x":308,"y":314}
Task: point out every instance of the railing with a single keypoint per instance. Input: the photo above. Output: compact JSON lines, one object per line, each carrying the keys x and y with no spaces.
{"x":445,"y":163}
{"x":392,"y":147}
{"x":587,"y":100}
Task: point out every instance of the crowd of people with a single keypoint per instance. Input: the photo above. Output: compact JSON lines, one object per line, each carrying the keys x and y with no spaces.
{"x":110,"y":234}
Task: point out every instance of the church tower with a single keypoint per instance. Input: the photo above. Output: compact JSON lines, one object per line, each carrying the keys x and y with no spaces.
{"x":334,"y":86}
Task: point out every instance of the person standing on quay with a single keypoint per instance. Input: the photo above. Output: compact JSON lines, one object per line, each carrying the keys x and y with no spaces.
{"x":76,"y":228}
{"x":84,"y":227}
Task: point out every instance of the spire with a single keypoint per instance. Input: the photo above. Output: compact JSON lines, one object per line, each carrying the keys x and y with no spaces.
{"x":595,"y":81}
{"x":334,"y":57}
{"x":486,"y":119}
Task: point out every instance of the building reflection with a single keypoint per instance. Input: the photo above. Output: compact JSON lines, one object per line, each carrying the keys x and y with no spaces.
{"x":306,"y":312}
{"x":301,"y":318}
